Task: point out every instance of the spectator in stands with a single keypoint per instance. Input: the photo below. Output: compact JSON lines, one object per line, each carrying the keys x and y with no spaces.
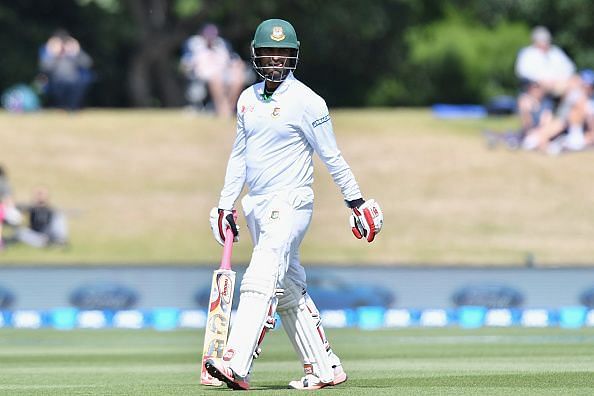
{"x":9,"y":214}
{"x":571,"y":127}
{"x":208,"y":60}
{"x":47,"y":225}
{"x":68,"y":69}
{"x":545,"y":63}
{"x":535,"y":111}
{"x":588,"y":79}
{"x":546,"y":76}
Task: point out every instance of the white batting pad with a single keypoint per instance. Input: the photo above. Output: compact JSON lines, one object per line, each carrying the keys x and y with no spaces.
{"x":252,"y":317}
{"x":301,"y":321}
{"x":255,"y":312}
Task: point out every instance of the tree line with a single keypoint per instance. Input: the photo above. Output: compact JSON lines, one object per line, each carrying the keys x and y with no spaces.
{"x":354,"y":53}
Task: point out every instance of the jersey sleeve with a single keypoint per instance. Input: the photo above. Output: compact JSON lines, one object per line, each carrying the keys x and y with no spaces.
{"x":317,"y":128}
{"x":236,"y":169}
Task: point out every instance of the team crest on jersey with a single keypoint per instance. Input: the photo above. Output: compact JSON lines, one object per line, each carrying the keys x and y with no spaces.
{"x":277,"y":33}
{"x":276,"y":112}
{"x":274,"y":215}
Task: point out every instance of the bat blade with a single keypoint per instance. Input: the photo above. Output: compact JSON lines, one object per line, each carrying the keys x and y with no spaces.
{"x":219,"y":312}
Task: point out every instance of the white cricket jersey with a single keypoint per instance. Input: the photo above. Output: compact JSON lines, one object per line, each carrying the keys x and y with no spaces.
{"x":275,"y":142}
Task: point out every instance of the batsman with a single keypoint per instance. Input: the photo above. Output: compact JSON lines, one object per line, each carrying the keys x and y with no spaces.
{"x":280,"y":124}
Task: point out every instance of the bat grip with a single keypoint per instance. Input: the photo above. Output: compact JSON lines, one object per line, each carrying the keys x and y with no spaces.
{"x":227,"y":250}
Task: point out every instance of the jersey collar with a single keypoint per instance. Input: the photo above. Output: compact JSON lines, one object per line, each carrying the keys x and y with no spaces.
{"x":282,"y":88}
{"x":285,"y":84}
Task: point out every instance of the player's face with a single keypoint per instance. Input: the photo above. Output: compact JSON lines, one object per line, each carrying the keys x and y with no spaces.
{"x":274,"y":62}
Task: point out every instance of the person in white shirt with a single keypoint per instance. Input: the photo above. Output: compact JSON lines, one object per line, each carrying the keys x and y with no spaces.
{"x":545,"y":63}
{"x":208,"y":58}
{"x":280,"y":124}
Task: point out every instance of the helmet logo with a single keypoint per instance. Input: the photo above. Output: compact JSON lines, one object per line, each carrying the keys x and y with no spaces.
{"x":277,"y":33}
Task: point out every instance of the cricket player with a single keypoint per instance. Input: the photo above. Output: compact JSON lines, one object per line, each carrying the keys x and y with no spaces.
{"x":280,"y":123}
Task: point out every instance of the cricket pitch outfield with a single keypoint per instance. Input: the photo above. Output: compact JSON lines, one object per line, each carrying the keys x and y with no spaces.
{"x":452,"y":361}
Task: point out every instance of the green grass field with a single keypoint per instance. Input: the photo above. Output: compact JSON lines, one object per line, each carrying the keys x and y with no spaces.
{"x":138,"y":186}
{"x":447,"y":361}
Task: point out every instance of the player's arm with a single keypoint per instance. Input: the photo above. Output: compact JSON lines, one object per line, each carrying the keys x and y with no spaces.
{"x":366,"y":216}
{"x":317,"y":128}
{"x":221,"y":216}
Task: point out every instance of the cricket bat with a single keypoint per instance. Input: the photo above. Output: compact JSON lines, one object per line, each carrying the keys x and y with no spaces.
{"x":219,"y":311}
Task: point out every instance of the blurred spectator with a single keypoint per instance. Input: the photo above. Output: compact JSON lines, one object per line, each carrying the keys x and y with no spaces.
{"x":20,"y":98}
{"x":571,"y":127}
{"x":68,"y":70}
{"x":535,"y":110}
{"x":547,"y":77}
{"x":212,"y":67}
{"x":9,"y":214}
{"x":47,"y":225}
{"x":588,"y":79}
{"x":545,"y":63}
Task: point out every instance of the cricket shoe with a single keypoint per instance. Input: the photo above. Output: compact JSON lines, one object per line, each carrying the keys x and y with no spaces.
{"x":225,"y":374}
{"x":313,"y":382}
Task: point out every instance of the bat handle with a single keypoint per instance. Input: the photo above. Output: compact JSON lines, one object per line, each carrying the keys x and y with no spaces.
{"x":227,"y":250}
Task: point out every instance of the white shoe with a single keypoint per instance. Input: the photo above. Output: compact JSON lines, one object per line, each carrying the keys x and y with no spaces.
{"x":313,"y":382}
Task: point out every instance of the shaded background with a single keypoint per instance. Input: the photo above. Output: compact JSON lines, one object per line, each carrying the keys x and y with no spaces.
{"x":379,"y":53}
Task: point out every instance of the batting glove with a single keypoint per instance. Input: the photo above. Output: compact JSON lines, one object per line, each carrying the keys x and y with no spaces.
{"x":220,"y":220}
{"x":366,"y":219}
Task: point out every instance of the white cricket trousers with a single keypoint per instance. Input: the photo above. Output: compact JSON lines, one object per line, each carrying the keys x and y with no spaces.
{"x":277,"y":223}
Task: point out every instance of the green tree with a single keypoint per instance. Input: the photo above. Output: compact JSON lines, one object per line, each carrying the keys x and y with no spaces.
{"x":462,"y":60}
{"x":374,"y":53}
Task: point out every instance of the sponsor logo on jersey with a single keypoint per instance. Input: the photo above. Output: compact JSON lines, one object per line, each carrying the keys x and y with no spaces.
{"x":320,"y":121}
{"x":245,"y":109}
{"x":277,"y":33}
{"x":274,"y":215}
{"x":276,"y":112}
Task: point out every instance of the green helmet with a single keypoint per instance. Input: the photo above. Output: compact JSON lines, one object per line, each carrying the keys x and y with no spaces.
{"x":275,"y":33}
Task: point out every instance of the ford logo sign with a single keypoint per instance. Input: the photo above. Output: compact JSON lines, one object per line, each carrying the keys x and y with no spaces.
{"x":489,"y":296}
{"x":108,"y":296}
{"x":587,"y":297}
{"x":6,"y":298}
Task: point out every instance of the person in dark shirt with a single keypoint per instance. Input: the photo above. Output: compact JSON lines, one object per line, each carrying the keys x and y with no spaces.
{"x":40,"y":217}
{"x":47,"y":225}
{"x":68,"y":69}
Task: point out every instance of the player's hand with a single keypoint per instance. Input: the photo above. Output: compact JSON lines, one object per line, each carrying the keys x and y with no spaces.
{"x":220,"y":220}
{"x":366,"y":219}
